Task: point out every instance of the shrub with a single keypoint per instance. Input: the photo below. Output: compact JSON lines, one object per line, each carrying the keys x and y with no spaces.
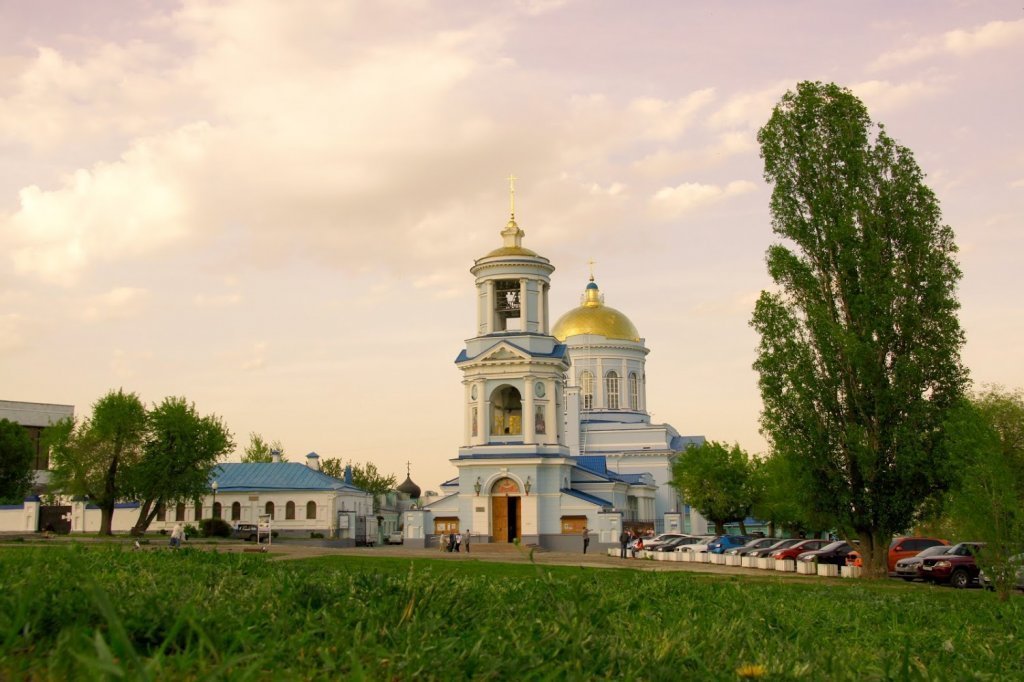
{"x":215,"y":528}
{"x":314,"y":535}
{"x":191,"y":531}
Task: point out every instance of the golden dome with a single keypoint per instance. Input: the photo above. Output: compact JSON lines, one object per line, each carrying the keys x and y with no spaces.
{"x":594,"y":317}
{"x":511,"y":251}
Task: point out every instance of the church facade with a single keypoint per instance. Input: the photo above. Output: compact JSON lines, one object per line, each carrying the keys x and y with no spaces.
{"x":557,"y":440}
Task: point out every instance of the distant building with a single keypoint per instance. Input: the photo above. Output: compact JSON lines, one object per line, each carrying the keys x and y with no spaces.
{"x":34,"y":417}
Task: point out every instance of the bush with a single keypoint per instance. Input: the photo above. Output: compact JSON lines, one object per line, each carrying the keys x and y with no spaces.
{"x":215,"y":528}
{"x":191,"y":531}
{"x":314,"y":535}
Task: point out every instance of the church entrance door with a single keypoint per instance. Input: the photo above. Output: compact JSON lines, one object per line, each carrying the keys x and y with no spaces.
{"x":505,"y":519}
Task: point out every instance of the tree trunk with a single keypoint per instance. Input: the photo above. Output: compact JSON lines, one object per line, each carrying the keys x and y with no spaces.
{"x":106,"y":517}
{"x":109,"y":498}
{"x":719,"y":527}
{"x":743,"y":527}
{"x":874,"y":552}
{"x":771,"y":529}
{"x":147,"y":512}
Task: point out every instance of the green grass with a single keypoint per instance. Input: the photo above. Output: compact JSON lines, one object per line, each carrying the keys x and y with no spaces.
{"x":84,"y":612}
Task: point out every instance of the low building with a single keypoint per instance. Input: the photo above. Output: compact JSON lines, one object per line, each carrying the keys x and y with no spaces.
{"x":34,"y":417}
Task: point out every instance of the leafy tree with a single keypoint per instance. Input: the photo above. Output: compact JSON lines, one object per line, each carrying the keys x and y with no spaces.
{"x":715,"y":480}
{"x":364,"y":476}
{"x":95,"y":458}
{"x":258,"y":450}
{"x":181,"y":448}
{"x":778,"y":500}
{"x":987,"y":437}
{"x":859,"y":358}
{"x":15,"y":462}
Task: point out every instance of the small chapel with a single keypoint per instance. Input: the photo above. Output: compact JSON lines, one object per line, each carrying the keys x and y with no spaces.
{"x":557,"y":438}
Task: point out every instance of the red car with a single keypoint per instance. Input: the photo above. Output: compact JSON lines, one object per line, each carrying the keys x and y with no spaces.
{"x":792,"y":551}
{"x":899,"y":548}
{"x":956,"y":567}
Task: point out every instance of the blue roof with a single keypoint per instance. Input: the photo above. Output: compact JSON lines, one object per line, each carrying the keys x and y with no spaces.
{"x":234,"y":476}
{"x":559,"y":351}
{"x":596,"y":464}
{"x":632,"y":479}
{"x":586,"y":497}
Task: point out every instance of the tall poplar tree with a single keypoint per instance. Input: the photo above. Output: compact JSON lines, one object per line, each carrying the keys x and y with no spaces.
{"x":859,"y":358}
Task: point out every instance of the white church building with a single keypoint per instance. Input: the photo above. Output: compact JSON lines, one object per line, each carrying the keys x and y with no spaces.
{"x":557,"y":436}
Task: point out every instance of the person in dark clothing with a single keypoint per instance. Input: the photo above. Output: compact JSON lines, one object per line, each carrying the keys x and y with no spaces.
{"x":624,"y":542}
{"x":586,"y":539}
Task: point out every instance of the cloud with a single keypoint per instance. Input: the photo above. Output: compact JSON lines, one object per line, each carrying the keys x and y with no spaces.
{"x":119,"y":303}
{"x":749,"y":110}
{"x":12,"y":332}
{"x":216,"y":300}
{"x":884,"y":95}
{"x":670,"y":202}
{"x":256,"y":357}
{"x":958,"y":43}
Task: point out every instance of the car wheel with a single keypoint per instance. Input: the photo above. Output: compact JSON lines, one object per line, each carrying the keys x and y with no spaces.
{"x":909,"y":580}
{"x":959,"y":579}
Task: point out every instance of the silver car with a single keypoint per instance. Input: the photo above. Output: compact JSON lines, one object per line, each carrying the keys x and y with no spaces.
{"x":1017,"y":560}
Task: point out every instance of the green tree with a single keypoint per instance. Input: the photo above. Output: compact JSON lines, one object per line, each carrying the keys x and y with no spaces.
{"x":986,"y":436}
{"x":715,"y":480}
{"x":181,"y":448}
{"x":16,"y":457}
{"x":364,"y":476}
{"x":95,"y":458}
{"x":258,"y":450}
{"x":859,"y":358}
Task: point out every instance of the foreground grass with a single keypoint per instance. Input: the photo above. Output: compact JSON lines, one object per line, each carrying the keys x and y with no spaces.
{"x":101,"y":612}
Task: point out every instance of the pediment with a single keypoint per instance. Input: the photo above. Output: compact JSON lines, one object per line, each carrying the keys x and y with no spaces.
{"x":504,"y":353}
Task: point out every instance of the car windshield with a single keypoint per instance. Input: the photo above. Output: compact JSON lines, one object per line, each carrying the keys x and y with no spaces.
{"x":761,"y":542}
{"x":934,"y":550}
{"x":834,"y":545}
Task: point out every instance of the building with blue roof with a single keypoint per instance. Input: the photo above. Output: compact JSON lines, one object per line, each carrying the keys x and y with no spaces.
{"x":558,"y":444}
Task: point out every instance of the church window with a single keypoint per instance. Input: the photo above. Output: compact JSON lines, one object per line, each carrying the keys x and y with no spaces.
{"x":216,"y":510}
{"x":507,"y":304}
{"x":587,"y":383}
{"x":161,"y":513}
{"x":611,"y":389}
{"x":311,"y":510}
{"x":508,"y":412}
{"x":634,"y":391}
{"x":236,"y":511}
{"x":199,"y":510}
{"x":289,"y":510}
{"x":179,"y":512}
{"x":269,"y":510}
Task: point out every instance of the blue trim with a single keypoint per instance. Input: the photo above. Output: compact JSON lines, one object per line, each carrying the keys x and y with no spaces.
{"x":12,"y":506}
{"x":513,"y":455}
{"x":586,"y":497}
{"x":559,"y":351}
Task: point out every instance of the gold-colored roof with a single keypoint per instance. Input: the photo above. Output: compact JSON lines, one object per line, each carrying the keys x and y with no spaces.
{"x":594,"y":317}
{"x":511,"y":251}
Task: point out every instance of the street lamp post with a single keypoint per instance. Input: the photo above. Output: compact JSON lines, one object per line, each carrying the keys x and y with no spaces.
{"x":213,"y":509}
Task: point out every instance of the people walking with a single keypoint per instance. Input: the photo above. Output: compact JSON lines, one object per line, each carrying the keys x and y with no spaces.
{"x":586,"y":539}
{"x":623,"y":542}
{"x":176,"y":535}
{"x":469,"y":534}
{"x":458,"y":542}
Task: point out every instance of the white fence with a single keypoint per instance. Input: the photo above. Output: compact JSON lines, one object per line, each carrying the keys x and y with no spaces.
{"x":84,"y":518}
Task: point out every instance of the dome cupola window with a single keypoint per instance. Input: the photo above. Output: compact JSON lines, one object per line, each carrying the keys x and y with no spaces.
{"x":611,"y":390}
{"x":587,"y":384}
{"x":507,"y":305}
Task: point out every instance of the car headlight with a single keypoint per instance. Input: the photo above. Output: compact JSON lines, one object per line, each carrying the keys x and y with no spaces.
{"x":943,"y":564}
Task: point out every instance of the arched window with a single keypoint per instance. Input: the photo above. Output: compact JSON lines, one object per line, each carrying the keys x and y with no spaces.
{"x":199,"y":510}
{"x":216,"y":510}
{"x":587,"y":384}
{"x":611,"y":390}
{"x":269,"y":510}
{"x":634,"y":391}
{"x":179,"y":511}
{"x":161,"y":513}
{"x":236,"y":511}
{"x":311,"y":510}
{"x":508,"y":412}
{"x":289,"y":510}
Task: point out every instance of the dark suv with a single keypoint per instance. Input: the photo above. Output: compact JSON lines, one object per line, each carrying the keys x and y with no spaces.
{"x":956,"y":567}
{"x":245,"y":531}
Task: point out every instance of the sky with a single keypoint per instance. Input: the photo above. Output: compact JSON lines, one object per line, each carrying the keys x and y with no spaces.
{"x":271,"y":208}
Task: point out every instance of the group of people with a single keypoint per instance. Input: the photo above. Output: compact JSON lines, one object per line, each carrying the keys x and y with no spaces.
{"x":631,"y":540}
{"x":453,"y":542}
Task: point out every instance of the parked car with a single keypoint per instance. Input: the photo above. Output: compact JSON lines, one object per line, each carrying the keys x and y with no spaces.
{"x":833,"y":553}
{"x":765,"y":552}
{"x":245,"y":531}
{"x":671,"y":544}
{"x":1019,"y":582}
{"x":793,"y":551}
{"x":698,"y":547}
{"x":659,"y":540}
{"x":720,"y":544}
{"x":751,"y":545}
{"x":956,"y":567}
{"x":910,"y":568}
{"x":395,"y":538}
{"x":904,"y":547}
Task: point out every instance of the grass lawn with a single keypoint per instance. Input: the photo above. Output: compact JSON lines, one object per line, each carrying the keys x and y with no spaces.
{"x":81,"y":612}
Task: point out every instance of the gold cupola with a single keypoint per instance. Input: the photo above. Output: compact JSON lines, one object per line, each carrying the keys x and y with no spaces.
{"x":594,"y":317}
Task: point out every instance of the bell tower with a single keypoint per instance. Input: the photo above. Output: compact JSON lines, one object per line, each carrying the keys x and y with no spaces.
{"x":513,"y":369}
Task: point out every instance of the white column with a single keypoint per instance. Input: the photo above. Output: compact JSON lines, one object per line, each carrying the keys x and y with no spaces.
{"x":467,"y":433}
{"x":490,"y":307}
{"x":528,"y":426}
{"x":544,"y":297}
{"x":599,"y":400}
{"x":523,"y":298}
